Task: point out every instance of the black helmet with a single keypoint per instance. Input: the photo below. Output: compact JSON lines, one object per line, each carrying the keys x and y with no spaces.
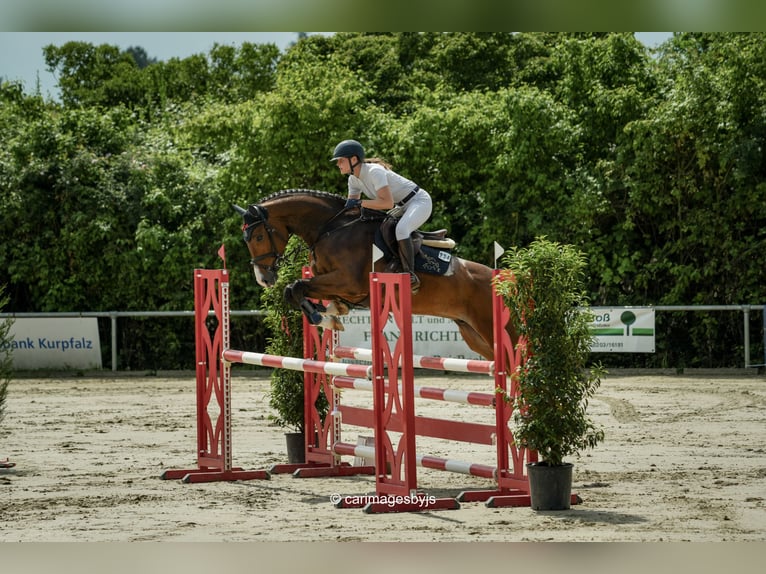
{"x":348,"y":148}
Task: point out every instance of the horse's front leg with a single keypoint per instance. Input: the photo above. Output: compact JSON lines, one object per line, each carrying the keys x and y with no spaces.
{"x":295,"y":295}
{"x":317,"y":314}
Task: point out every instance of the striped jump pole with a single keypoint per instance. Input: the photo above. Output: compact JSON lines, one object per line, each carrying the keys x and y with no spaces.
{"x":424,"y":362}
{"x":425,"y":461}
{"x":431,"y":393}
{"x":414,"y":502}
{"x":294,"y":364}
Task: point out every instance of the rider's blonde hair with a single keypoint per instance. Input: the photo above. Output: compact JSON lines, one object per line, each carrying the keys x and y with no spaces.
{"x":379,"y":162}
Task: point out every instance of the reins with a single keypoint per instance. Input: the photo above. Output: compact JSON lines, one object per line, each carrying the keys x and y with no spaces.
{"x":324,"y":232}
{"x":260,"y":216}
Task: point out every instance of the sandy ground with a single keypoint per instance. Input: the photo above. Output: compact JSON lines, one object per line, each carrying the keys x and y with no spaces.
{"x":684,"y":460}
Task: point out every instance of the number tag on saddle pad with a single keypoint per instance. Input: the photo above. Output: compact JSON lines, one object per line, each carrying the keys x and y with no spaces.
{"x":434,"y":261}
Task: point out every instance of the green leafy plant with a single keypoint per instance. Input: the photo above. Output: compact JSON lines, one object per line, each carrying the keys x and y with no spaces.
{"x":543,"y":285}
{"x":286,"y":326}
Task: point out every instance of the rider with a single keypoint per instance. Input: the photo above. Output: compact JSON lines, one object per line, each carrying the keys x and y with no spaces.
{"x":386,"y":189}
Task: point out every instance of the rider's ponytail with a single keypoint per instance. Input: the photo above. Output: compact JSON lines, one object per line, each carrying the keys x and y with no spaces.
{"x":379,"y":162}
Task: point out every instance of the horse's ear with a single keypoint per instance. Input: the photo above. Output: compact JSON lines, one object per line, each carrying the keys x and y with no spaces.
{"x":238,"y":209}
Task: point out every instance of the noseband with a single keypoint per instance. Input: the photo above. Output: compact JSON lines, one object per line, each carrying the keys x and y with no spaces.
{"x":255,"y":216}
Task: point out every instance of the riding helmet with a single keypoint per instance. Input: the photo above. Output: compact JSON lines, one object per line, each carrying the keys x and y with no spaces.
{"x":348,"y":148}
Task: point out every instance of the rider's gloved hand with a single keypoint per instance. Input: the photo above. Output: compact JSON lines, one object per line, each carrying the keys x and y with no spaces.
{"x":353,"y":203}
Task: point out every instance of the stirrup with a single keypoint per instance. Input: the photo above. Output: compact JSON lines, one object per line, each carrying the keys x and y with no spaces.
{"x":414,"y":282}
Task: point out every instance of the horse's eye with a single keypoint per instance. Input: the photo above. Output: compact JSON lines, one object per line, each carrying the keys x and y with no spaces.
{"x":259,"y":237}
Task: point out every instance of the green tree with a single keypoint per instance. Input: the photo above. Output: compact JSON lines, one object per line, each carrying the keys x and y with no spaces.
{"x":105,"y":76}
{"x":284,"y":138}
{"x":471,"y":61}
{"x":91,"y":75}
{"x":690,"y":189}
{"x":650,"y":163}
{"x":239,"y":73}
{"x":449,"y":146}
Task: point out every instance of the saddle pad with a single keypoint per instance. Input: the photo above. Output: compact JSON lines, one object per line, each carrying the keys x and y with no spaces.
{"x":428,"y":260}
{"x":434,"y":261}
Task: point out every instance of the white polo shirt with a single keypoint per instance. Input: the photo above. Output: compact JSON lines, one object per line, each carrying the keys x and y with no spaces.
{"x":373,"y":176}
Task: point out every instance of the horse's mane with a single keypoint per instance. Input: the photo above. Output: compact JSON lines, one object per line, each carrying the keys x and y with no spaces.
{"x":312,"y":192}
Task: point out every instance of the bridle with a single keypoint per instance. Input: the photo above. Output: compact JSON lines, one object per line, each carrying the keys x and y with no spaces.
{"x":256,"y":215}
{"x":260,"y":216}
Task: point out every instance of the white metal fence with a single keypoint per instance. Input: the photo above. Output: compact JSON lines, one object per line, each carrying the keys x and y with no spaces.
{"x":114,"y":315}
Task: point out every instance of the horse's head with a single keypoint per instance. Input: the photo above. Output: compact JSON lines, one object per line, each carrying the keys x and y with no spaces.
{"x":265,"y":242}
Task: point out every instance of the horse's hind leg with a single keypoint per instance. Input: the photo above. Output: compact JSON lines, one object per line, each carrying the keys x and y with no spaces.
{"x":476,"y":341}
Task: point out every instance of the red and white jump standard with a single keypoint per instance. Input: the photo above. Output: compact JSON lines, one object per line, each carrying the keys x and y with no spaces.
{"x":392,"y":417}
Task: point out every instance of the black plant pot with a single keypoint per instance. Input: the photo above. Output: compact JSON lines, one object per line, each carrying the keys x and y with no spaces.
{"x":296,"y":447}
{"x":550,"y":487}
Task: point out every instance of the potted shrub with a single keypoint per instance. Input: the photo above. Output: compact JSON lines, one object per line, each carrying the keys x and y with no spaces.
{"x":543,"y":286}
{"x":286,"y":326}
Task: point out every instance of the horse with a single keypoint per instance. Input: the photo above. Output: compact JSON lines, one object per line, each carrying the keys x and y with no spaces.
{"x":340,"y":246}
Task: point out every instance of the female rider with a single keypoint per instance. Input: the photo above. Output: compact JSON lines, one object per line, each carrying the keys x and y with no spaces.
{"x":386,"y":189}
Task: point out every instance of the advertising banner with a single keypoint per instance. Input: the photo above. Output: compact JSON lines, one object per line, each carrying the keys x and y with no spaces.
{"x":431,"y":336}
{"x":623,"y":330}
{"x":55,"y":343}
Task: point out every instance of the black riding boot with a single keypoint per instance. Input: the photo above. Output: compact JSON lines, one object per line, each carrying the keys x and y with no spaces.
{"x":407,"y":258}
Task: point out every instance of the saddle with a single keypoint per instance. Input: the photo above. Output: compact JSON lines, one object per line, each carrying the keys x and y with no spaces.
{"x":437,"y":239}
{"x":432,"y":248}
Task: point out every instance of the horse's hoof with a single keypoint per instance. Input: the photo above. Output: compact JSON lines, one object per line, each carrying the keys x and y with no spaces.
{"x":337,"y":308}
{"x":331,"y":322}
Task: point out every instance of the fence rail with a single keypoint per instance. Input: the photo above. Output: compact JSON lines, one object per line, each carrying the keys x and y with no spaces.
{"x":114,"y":315}
{"x":746,"y":320}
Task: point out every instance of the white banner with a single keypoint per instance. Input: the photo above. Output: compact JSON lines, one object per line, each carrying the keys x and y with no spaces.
{"x":55,"y":343}
{"x":623,"y":330}
{"x":616,"y":330}
{"x":431,"y":336}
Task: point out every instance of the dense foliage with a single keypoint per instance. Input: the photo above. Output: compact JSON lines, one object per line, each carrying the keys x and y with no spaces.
{"x":285,"y":324}
{"x":651,"y":163}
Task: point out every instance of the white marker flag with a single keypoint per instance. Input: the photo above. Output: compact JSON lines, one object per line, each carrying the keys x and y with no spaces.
{"x":377,"y":255}
{"x":498,"y":252}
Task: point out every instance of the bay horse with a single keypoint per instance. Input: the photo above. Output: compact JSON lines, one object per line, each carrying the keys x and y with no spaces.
{"x":340,"y":245}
